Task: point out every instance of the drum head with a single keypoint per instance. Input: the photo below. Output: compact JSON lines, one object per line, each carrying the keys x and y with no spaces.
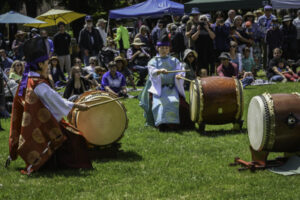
{"x":103,"y":124}
{"x":256,"y":123}
{"x":193,"y":102}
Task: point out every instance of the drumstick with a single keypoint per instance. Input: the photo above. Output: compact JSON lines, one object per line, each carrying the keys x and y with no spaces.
{"x":186,"y":79}
{"x":96,"y":100}
{"x":104,"y":102}
{"x":175,"y":71}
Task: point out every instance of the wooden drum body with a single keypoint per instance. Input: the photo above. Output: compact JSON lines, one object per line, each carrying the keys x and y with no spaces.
{"x":100,"y":125}
{"x":216,"y":100}
{"x":274,"y":122}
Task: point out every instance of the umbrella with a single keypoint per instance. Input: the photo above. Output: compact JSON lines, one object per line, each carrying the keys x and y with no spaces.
{"x":54,"y":16}
{"x":13,"y":17}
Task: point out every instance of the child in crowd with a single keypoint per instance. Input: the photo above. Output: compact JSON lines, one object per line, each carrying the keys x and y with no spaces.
{"x":286,"y":71}
{"x":248,"y":65}
{"x":97,"y":75}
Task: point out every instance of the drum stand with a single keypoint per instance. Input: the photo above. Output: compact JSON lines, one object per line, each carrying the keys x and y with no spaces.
{"x":259,"y":161}
{"x":237,"y":126}
{"x":104,"y":152}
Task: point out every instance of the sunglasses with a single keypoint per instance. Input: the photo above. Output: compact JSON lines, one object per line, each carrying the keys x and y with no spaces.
{"x":234,"y":46}
{"x":19,"y":65}
{"x":191,"y":56}
{"x":93,"y":63}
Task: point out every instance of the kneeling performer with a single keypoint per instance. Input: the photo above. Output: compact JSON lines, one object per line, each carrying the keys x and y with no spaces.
{"x":165,"y":106}
{"x":38,"y":132}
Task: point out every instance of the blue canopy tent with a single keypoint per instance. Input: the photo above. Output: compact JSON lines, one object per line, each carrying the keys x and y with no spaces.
{"x":153,"y":8}
{"x":286,"y":4}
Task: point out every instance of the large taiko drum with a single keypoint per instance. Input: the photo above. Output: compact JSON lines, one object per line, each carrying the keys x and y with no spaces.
{"x":100,"y":125}
{"x":273,"y":122}
{"x":216,"y":100}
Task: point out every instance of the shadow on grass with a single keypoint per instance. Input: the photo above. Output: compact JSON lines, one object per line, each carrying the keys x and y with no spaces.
{"x":128,"y":156}
{"x":222,"y":132}
{"x":49,"y":173}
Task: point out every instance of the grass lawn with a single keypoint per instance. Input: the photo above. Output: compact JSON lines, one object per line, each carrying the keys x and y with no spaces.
{"x":157,"y":165}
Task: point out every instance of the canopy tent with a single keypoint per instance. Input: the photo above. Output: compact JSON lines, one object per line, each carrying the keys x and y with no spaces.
{"x":13,"y":17}
{"x":153,"y":8}
{"x":286,"y":4}
{"x":212,"y":5}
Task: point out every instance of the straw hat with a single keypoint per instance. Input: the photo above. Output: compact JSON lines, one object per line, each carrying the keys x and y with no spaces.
{"x":19,"y":33}
{"x":120,"y":58}
{"x":286,"y":18}
{"x":249,"y":14}
{"x":137,"y":41}
{"x":53,"y":58}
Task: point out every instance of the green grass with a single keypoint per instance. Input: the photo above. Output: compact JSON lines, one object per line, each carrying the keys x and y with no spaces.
{"x":158,"y":166}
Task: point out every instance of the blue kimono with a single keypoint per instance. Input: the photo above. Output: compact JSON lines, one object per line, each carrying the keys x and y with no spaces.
{"x":165,"y":89}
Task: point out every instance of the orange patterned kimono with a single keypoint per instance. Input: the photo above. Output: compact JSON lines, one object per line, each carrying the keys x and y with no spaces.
{"x":35,"y":134}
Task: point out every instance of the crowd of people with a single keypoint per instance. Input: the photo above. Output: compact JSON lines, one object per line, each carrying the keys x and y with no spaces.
{"x":219,"y":44}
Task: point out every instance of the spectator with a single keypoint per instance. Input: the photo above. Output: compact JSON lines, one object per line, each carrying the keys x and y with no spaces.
{"x":272,"y":73}
{"x":189,"y":63}
{"x":182,"y":28}
{"x":89,"y":40}
{"x":243,"y":39}
{"x":123,"y":69}
{"x":16,"y":71}
{"x":296,"y":23}
{"x":108,"y":52}
{"x":122,"y":38}
{"x":203,"y":37}
{"x":227,"y":68}
{"x":113,"y":81}
{"x":49,"y":43}
{"x":264,"y":23}
{"x":89,"y":70}
{"x":191,"y":25}
{"x":257,"y":14}
{"x":230,"y":19}
{"x":274,"y":37}
{"x":286,"y":71}
{"x":138,"y":60}
{"x":144,"y":36}
{"x":34,"y":33}
{"x":18,"y":44}
{"x":77,"y":84}
{"x":255,"y":34}
{"x":289,"y":43}
{"x":57,"y":75}
{"x":2,"y":42}
{"x":99,"y":71}
{"x":77,"y":62}
{"x":62,"y":41}
{"x":101,"y":25}
{"x":157,"y":31}
{"x":235,"y":56}
{"x":222,"y":41}
{"x":177,"y":43}
{"x":248,"y":62}
{"x":5,"y":62}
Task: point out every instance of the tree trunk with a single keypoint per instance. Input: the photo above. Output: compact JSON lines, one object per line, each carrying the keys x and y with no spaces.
{"x":31,"y":8}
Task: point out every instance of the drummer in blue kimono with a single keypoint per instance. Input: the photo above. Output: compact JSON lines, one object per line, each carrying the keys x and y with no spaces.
{"x":163,"y":97}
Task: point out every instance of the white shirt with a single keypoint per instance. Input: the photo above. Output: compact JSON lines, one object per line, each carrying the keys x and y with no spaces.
{"x":296,"y":22}
{"x":58,"y":106}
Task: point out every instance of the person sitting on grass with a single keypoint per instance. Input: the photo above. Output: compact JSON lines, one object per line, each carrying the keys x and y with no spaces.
{"x":272,"y":73}
{"x":122,"y":68}
{"x":227,"y":68}
{"x":248,"y":70}
{"x":284,"y":69}
{"x":38,"y":133}
{"x":77,"y":84}
{"x":16,"y":71}
{"x":163,"y":98}
{"x":114,"y":81}
{"x":97,"y":75}
{"x":57,"y":75}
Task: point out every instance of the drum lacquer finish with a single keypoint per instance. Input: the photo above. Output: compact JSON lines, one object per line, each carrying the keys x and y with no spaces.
{"x":279,"y":128}
{"x":219,"y":100}
{"x":100,"y":125}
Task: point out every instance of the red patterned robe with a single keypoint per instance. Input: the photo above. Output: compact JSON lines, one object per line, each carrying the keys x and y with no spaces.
{"x":37,"y":137}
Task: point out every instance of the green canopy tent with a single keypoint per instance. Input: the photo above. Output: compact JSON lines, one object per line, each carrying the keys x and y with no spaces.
{"x":213,"y":5}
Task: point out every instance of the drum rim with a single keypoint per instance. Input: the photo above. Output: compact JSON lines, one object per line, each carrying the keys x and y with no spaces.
{"x":240,"y":99}
{"x":200,"y":100}
{"x":271,"y":126}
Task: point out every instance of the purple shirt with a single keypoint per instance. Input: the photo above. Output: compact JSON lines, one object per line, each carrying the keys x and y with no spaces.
{"x":115,"y":83}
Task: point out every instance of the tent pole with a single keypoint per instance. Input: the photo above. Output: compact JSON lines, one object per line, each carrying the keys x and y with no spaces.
{"x":173,"y":18}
